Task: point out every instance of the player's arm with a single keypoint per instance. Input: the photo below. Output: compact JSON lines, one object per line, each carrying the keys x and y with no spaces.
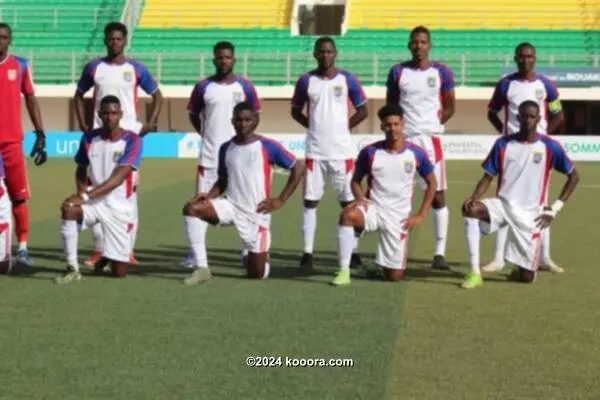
{"x":482,"y":186}
{"x":448,"y":95}
{"x":496,"y":104}
{"x":492,"y":166}
{"x":361,"y":169}
{"x":220,"y":185}
{"x":299,"y":100}
{"x":115,"y":180}
{"x":81,"y":179}
{"x":426,"y":170}
{"x":358,"y":99}
{"x":392,"y":94}
{"x":296,"y":173}
{"x":82,"y":161}
{"x":38,"y":152}
{"x":150,"y":86}
{"x":556,"y":118}
{"x":86,"y":82}
{"x":195,"y":106}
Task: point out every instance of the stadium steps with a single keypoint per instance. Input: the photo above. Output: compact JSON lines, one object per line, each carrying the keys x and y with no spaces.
{"x":216,"y":13}
{"x":469,"y":14}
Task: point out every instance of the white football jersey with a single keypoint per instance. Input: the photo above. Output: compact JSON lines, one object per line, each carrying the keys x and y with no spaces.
{"x":420,"y":94}
{"x":329,"y":103}
{"x":101,"y":156}
{"x":214,"y":102}
{"x":120,"y":80}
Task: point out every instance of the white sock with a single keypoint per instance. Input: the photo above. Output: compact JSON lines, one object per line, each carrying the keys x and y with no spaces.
{"x":134,"y":232}
{"x":355,"y":249}
{"x":473,"y":235}
{"x":440,"y":228}
{"x":501,"y":237}
{"x":244,"y":251}
{"x":545,"y":245}
{"x":98,"y":236}
{"x":196,"y":233}
{"x":22,"y":246}
{"x":267,"y":270}
{"x":345,"y":243}
{"x":309,"y":226}
{"x":70,"y":234}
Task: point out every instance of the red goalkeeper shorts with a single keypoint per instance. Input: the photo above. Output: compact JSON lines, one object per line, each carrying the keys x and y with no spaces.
{"x":15,"y":168}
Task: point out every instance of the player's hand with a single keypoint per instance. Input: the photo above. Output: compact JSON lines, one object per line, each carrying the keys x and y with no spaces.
{"x":148,"y":127}
{"x":269,"y":205}
{"x":200,"y":198}
{"x":360,"y":203}
{"x":545,"y":218}
{"x":469,"y":205}
{"x":411,"y":222}
{"x":84,"y":128}
{"x":38,"y":152}
{"x":74,"y":201}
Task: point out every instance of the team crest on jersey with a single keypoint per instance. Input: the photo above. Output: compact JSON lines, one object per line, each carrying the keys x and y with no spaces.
{"x":237,"y":97}
{"x":338,"y":91}
{"x":431,"y":81}
{"x":117,"y":156}
{"x":252,"y":158}
{"x":539,"y":94}
{"x":127,"y":76}
{"x":537,"y":157}
{"x":11,"y":74}
{"x":408,"y":167}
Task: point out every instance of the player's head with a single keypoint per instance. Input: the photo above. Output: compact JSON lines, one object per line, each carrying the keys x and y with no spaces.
{"x":525,"y":57}
{"x":244,"y":119}
{"x":419,"y":43}
{"x":224,"y":57}
{"x":325,"y":52}
{"x":110,"y":112}
{"x":5,"y":37}
{"x":392,"y":121}
{"x":115,"y":38}
{"x":529,"y":116}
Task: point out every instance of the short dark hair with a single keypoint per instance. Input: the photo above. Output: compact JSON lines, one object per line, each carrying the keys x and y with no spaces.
{"x":110,"y":99}
{"x":524,"y":45}
{"x":529,"y":103}
{"x":420,"y":29}
{"x":323,"y":40}
{"x":243,"y":106}
{"x":223,"y":45}
{"x":4,"y":25}
{"x":390,"y":109}
{"x":115,"y":26}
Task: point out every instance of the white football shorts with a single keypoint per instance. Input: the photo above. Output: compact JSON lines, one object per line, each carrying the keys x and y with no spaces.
{"x":5,"y":224}
{"x":524,"y":239}
{"x":205,"y":179}
{"x":337,"y":172}
{"x":254,"y":229}
{"x":392,"y":247}
{"x":432,"y":144}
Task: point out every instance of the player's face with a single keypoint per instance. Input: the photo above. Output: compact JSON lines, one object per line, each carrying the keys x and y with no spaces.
{"x":529,"y":118}
{"x":393,"y":127}
{"x":110,"y":114}
{"x":5,"y":40}
{"x":244,"y":122}
{"x":224,"y":61}
{"x":419,"y":46}
{"x":525,"y":59}
{"x":115,"y":42}
{"x":325,"y":55}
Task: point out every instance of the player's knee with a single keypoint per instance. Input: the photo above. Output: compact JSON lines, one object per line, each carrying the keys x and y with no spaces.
{"x":188,"y":210}
{"x":349,"y":217}
{"x":68,"y":211}
{"x":439,"y":200}
{"x":393,"y":275}
{"x":311,"y":203}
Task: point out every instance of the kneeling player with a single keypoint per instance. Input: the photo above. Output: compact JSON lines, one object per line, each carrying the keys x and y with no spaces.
{"x":5,"y":224}
{"x":522,"y":162}
{"x":391,"y":165}
{"x":113,"y":157}
{"x":244,"y":173}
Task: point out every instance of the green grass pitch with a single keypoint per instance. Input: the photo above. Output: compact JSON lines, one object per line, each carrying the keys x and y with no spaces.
{"x":150,"y":337}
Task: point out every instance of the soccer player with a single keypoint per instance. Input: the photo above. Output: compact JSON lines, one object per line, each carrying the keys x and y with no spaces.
{"x":110,"y":158}
{"x":328,"y":94}
{"x":245,"y":175}
{"x":425,"y":91}
{"x":522,"y":162}
{"x":16,"y":79}
{"x":392,"y":166}
{"x":512,"y":90}
{"x":210,"y":110}
{"x":5,"y":223}
{"x":116,"y":75}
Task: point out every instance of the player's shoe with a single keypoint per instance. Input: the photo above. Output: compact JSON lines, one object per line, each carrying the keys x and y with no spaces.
{"x":24,"y":259}
{"x":200,"y":275}
{"x":71,"y":275}
{"x":494,"y":266}
{"x":342,"y":278}
{"x":439,"y":262}
{"x":94,"y":258}
{"x":549,"y":265}
{"x":355,"y":261}
{"x":472,"y":281}
{"x":188,"y":261}
{"x":306,"y":263}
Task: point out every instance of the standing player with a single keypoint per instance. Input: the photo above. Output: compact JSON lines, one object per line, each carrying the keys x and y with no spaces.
{"x":392,"y":165}
{"x":328,"y":93}
{"x":425,"y":91}
{"x":110,"y":158}
{"x":245,"y":175}
{"x":522,"y":163}
{"x":121,"y":77}
{"x":511,"y":91}
{"x":16,"y":79}
{"x":210,"y":110}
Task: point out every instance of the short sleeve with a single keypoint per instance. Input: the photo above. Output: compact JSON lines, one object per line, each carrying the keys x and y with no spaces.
{"x":145,"y":79}
{"x":447,"y":79}
{"x":196,"y":102}
{"x":86,"y":80}
{"x":301,"y":92}
{"x":133,"y":151}
{"x":222,"y":168}
{"x":278,"y":155}
{"x":498,"y":99}
{"x":560,"y":160}
{"x":492,"y":164}
{"x":392,"y":88}
{"x":250,"y":94}
{"x":27,"y":87}
{"x":355,"y":91}
{"x":81,"y":157}
{"x":552,"y":96}
{"x":363,"y":163}
{"x":424,"y":166}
